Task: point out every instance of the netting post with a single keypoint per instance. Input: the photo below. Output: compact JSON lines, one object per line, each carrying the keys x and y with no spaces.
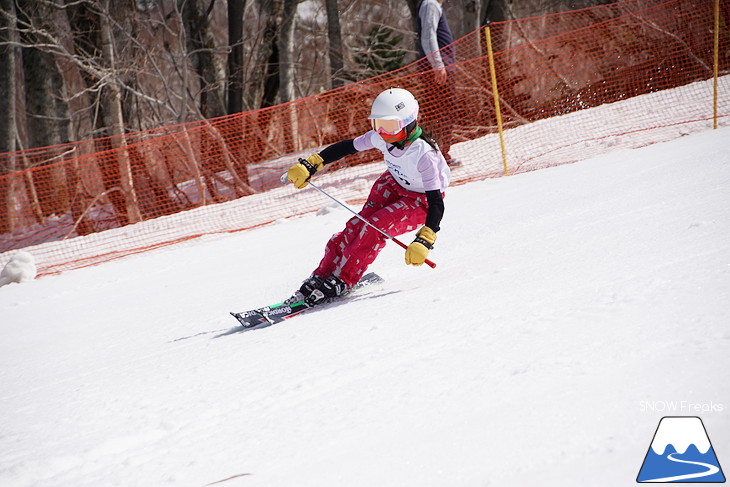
{"x":495,"y":91}
{"x":716,"y":56}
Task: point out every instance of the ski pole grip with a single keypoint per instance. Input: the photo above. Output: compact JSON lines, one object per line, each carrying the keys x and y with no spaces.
{"x":429,"y":263}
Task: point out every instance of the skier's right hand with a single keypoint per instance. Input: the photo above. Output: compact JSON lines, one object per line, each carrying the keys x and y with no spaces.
{"x":300,"y":172}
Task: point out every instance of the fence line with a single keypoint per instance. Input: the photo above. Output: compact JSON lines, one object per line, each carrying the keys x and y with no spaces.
{"x":571,"y":86}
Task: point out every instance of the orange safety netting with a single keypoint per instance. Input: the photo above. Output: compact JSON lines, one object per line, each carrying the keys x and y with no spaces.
{"x":571,"y":85}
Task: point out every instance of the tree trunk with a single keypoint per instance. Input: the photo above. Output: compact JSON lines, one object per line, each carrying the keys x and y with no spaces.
{"x":111,"y":101}
{"x":8,"y":53}
{"x":334,"y":35}
{"x":495,"y":11}
{"x":236,"y":8}
{"x":287,"y":61}
{"x":94,"y":42}
{"x":211,"y":71}
{"x":47,"y":113}
{"x":236,"y":77}
{"x":265,"y":74}
{"x":207,"y":62}
{"x":8,"y":130}
{"x":44,"y":85}
{"x":413,"y":7}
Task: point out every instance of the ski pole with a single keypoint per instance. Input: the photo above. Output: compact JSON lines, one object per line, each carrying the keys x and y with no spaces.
{"x":429,"y":263}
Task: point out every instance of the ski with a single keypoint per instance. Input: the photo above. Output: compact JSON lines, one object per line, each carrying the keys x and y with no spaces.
{"x":276,"y":313}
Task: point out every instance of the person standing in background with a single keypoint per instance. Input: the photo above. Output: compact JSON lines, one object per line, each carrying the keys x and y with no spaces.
{"x":436,"y":58}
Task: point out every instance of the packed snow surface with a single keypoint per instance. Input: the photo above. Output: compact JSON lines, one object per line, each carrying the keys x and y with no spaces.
{"x":571,"y":309}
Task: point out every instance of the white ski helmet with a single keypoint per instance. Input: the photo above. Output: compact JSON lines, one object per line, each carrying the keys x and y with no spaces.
{"x":393,"y":104}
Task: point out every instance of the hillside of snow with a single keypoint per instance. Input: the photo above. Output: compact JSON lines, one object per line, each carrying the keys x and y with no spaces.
{"x":569,"y":308}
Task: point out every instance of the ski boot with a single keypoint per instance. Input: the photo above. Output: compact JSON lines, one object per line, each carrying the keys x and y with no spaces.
{"x":310,"y":284}
{"x":315,"y":290}
{"x":326,"y":289}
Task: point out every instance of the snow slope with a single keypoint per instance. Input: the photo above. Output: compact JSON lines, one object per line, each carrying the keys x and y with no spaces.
{"x":565,"y":301}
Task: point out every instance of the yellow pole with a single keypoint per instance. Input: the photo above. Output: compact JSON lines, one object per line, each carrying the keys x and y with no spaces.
{"x":497,"y":110}
{"x":716,"y":64}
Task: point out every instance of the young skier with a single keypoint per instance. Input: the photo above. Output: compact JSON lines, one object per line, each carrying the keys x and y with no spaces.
{"x":408,"y":195}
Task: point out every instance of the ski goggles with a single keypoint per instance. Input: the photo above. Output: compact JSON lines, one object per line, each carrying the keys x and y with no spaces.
{"x":391,"y":127}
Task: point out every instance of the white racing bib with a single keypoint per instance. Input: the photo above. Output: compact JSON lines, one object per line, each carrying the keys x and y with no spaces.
{"x":403,"y":165}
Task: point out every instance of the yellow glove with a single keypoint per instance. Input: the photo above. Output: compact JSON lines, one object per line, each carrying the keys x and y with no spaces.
{"x":417,"y":252}
{"x":300,"y":172}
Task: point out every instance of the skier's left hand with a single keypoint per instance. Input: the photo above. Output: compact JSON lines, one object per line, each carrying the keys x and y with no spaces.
{"x":417,"y":252}
{"x":300,"y":172}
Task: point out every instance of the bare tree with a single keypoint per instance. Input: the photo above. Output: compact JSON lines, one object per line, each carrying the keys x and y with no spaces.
{"x":91,"y":23}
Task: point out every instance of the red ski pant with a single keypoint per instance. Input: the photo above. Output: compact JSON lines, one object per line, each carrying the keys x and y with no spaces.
{"x":391,"y":208}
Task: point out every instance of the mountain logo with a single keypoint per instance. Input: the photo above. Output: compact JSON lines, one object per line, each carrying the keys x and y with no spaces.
{"x":681,"y":452}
